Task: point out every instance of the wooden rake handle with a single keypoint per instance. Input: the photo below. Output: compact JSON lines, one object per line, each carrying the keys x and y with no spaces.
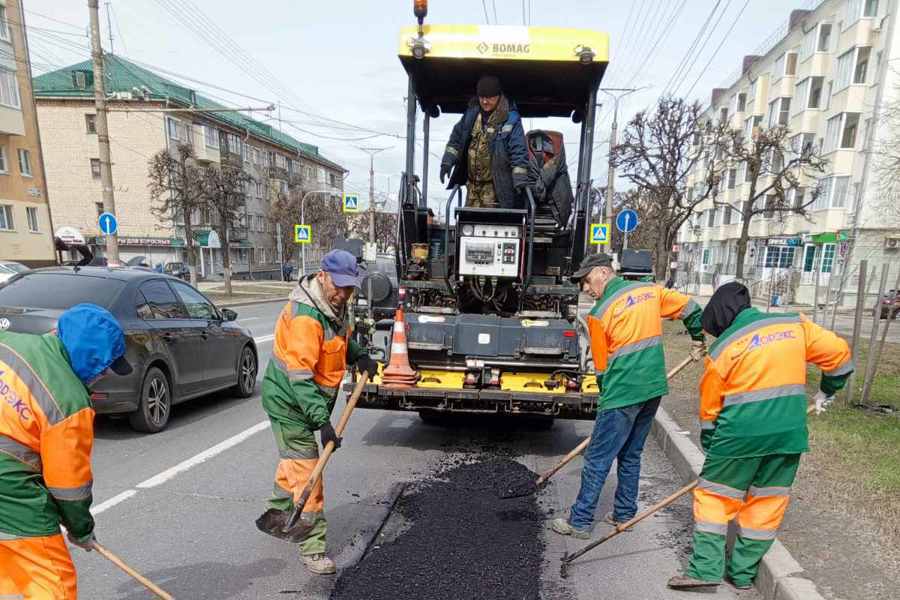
{"x":328,"y":450}
{"x":160,"y":593}
{"x":584,"y":444}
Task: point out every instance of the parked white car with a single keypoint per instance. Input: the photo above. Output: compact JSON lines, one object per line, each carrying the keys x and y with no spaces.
{"x":8,"y":268}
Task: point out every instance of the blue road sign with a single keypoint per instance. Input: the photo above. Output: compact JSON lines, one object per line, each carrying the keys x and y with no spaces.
{"x":627,"y":221}
{"x":108,"y":223}
{"x":302,"y":234}
{"x":599,"y":233}
{"x":351,"y":203}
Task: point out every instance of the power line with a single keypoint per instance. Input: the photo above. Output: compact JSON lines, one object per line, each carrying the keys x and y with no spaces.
{"x":487,"y":20}
{"x":55,"y":20}
{"x":719,"y":47}
{"x":670,"y":23}
{"x":118,"y":28}
{"x":709,"y":35}
{"x":680,"y":67}
{"x":494,"y":4}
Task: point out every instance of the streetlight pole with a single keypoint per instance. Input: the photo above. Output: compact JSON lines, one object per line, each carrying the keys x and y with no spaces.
{"x":616,"y":94}
{"x":372,"y":152}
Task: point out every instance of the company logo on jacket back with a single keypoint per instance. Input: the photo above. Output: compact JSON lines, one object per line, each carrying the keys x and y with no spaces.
{"x":632,"y":301}
{"x":13,"y":400}
{"x":758,"y":341}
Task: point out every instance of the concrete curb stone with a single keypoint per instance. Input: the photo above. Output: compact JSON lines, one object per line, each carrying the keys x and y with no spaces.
{"x":780,"y":575}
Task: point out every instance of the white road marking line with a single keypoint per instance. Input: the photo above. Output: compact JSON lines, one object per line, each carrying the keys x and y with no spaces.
{"x":248,"y":319}
{"x":264,"y":338}
{"x":202,"y":457}
{"x":96,"y":510}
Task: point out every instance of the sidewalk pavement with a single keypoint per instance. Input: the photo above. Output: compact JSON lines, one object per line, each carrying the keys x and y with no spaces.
{"x":246,"y":292}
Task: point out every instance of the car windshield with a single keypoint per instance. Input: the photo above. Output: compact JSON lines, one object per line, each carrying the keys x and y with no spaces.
{"x":59,"y":290}
{"x":14,"y":267}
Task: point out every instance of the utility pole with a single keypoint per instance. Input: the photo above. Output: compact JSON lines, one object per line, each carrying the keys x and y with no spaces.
{"x":372,"y":152}
{"x":616,"y":94}
{"x":106,"y":179}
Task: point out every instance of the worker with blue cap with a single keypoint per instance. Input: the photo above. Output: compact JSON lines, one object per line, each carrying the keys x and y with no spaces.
{"x":312,"y":350}
{"x":46,"y":436}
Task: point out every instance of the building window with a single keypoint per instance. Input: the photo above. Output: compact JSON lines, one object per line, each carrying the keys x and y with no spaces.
{"x":723,"y":115}
{"x":851,"y":126}
{"x":827,"y":257}
{"x":710,"y":218}
{"x":32,"y":215}
{"x":6,"y":218}
{"x":870,"y":8}
{"x":832,"y":193}
{"x":98,"y":206}
{"x":779,"y":257}
{"x":9,"y":88}
{"x":784,"y":111}
{"x":4,"y":25}
{"x":211,"y":135}
{"x":741,"y":102}
{"x":732,"y":178}
{"x":4,"y":168}
{"x":815,"y":92}
{"x":728,"y":214}
{"x":95,"y":168}
{"x":172,"y":127}
{"x":844,"y":70}
{"x":25,"y":162}
{"x":90,"y":123}
{"x":797,"y":198}
{"x":824,"y":44}
{"x":862,"y":64}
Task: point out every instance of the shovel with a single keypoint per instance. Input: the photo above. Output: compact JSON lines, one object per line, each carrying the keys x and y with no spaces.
{"x":530,"y":487}
{"x":160,"y":593}
{"x":292,"y":530}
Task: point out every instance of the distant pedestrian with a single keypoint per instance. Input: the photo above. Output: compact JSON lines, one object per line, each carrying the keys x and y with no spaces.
{"x":312,"y":349}
{"x":46,"y":437}
{"x":625,"y":327}
{"x":753,"y":429}
{"x":287,"y":270}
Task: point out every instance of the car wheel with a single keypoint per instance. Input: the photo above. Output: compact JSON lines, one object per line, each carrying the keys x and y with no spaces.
{"x":247,"y":369}
{"x":155,"y":406}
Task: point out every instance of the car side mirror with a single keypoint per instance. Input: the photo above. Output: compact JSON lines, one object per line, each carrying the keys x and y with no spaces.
{"x":229,"y":314}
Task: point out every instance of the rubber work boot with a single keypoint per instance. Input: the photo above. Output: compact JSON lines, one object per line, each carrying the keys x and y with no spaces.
{"x":683,"y":582}
{"x":319,"y":564}
{"x":562,"y":527}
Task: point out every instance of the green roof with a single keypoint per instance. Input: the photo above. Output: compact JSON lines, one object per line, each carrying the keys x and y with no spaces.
{"x":124,"y":76}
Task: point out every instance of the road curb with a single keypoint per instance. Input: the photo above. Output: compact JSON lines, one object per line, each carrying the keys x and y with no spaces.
{"x":356,"y":552}
{"x":780,"y":576}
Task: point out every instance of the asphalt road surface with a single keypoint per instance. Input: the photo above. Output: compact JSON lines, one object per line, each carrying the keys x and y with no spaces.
{"x":180,"y":505}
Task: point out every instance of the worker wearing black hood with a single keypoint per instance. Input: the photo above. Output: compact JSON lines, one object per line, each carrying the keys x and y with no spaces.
{"x":487,"y":151}
{"x":753,"y":428}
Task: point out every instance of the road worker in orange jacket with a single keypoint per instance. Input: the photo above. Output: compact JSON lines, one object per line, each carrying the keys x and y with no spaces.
{"x":312,"y":350}
{"x":753,"y":429}
{"x":46,"y":435}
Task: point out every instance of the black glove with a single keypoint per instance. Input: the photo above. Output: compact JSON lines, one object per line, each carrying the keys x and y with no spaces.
{"x":445,"y":171}
{"x":520,"y":181}
{"x":328,"y":434}
{"x":369,"y":365}
{"x":85,"y":543}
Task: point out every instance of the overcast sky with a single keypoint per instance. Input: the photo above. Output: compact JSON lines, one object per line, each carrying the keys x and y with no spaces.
{"x":337,"y":59}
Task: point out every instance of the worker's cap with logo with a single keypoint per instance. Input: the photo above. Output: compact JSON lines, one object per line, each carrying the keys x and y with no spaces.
{"x":94,"y":341}
{"x":342,"y":267}
{"x":590,"y":262}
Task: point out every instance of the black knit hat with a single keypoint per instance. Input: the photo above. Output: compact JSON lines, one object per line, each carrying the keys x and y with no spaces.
{"x":488,"y":87}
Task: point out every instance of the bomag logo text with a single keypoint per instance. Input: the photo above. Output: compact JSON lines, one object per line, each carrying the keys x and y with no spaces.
{"x":510,"y":48}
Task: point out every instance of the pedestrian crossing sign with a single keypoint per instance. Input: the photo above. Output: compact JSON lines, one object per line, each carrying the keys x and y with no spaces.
{"x":302,"y":234}
{"x":351,"y":203}
{"x":599,"y":233}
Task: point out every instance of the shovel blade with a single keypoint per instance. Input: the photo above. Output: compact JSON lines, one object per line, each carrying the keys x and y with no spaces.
{"x":273,"y":522}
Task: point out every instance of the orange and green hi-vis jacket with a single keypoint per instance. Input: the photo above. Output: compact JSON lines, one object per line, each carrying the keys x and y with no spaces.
{"x":753,"y":392}
{"x":46,"y":436}
{"x":310,"y":355}
{"x":625,"y":326}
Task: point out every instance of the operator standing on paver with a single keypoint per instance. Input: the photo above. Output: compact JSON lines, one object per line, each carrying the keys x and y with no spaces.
{"x":310,"y":356}
{"x":753,"y":428}
{"x":487,"y":151}
{"x":46,"y":436}
{"x":625,"y":327}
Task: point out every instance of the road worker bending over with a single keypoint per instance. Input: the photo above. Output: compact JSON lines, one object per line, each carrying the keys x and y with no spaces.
{"x":312,"y":350}
{"x":46,"y":437}
{"x":753,"y":429}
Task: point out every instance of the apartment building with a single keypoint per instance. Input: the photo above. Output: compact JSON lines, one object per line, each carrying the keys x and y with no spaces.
{"x":141,"y":123}
{"x":826,"y":76}
{"x":26,"y":232}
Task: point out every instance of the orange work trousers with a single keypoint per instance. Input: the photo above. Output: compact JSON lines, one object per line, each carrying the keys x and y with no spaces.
{"x":37,"y":568}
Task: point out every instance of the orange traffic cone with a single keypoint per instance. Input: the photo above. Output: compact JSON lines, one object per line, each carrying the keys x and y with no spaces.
{"x":399,"y":374}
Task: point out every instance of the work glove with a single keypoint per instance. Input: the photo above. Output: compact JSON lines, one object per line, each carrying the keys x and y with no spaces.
{"x":85,"y":542}
{"x":822,"y":402}
{"x":698,"y":349}
{"x":328,"y":434}
{"x":445,"y":171}
{"x":520,"y":182}
{"x":369,"y":365}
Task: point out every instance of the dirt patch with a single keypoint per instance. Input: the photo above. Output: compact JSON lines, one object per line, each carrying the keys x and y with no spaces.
{"x":842,"y":523}
{"x":460,"y":540}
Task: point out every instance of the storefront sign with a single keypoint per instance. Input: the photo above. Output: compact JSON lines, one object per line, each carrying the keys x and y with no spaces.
{"x":153,"y":242}
{"x":784,"y":242}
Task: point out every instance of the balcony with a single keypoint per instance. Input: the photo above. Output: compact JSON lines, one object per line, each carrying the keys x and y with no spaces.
{"x":238,"y":234}
{"x":230,"y":158}
{"x":11,"y":121}
{"x":277,"y":173}
{"x":202,"y":152}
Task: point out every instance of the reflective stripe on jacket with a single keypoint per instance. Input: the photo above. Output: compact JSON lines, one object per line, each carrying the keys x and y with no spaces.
{"x":753,"y":391}
{"x":625,"y":326}
{"x":310,"y":356}
{"x":46,"y":437}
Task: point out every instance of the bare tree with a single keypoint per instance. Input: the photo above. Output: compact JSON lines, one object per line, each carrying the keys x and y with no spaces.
{"x":779,"y":175}
{"x":658,"y":153}
{"x":176,"y":189}
{"x":886,"y":155}
{"x":224,"y":189}
{"x":385,"y":229}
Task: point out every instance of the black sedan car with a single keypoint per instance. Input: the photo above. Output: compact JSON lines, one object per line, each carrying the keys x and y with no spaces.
{"x":180,"y":345}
